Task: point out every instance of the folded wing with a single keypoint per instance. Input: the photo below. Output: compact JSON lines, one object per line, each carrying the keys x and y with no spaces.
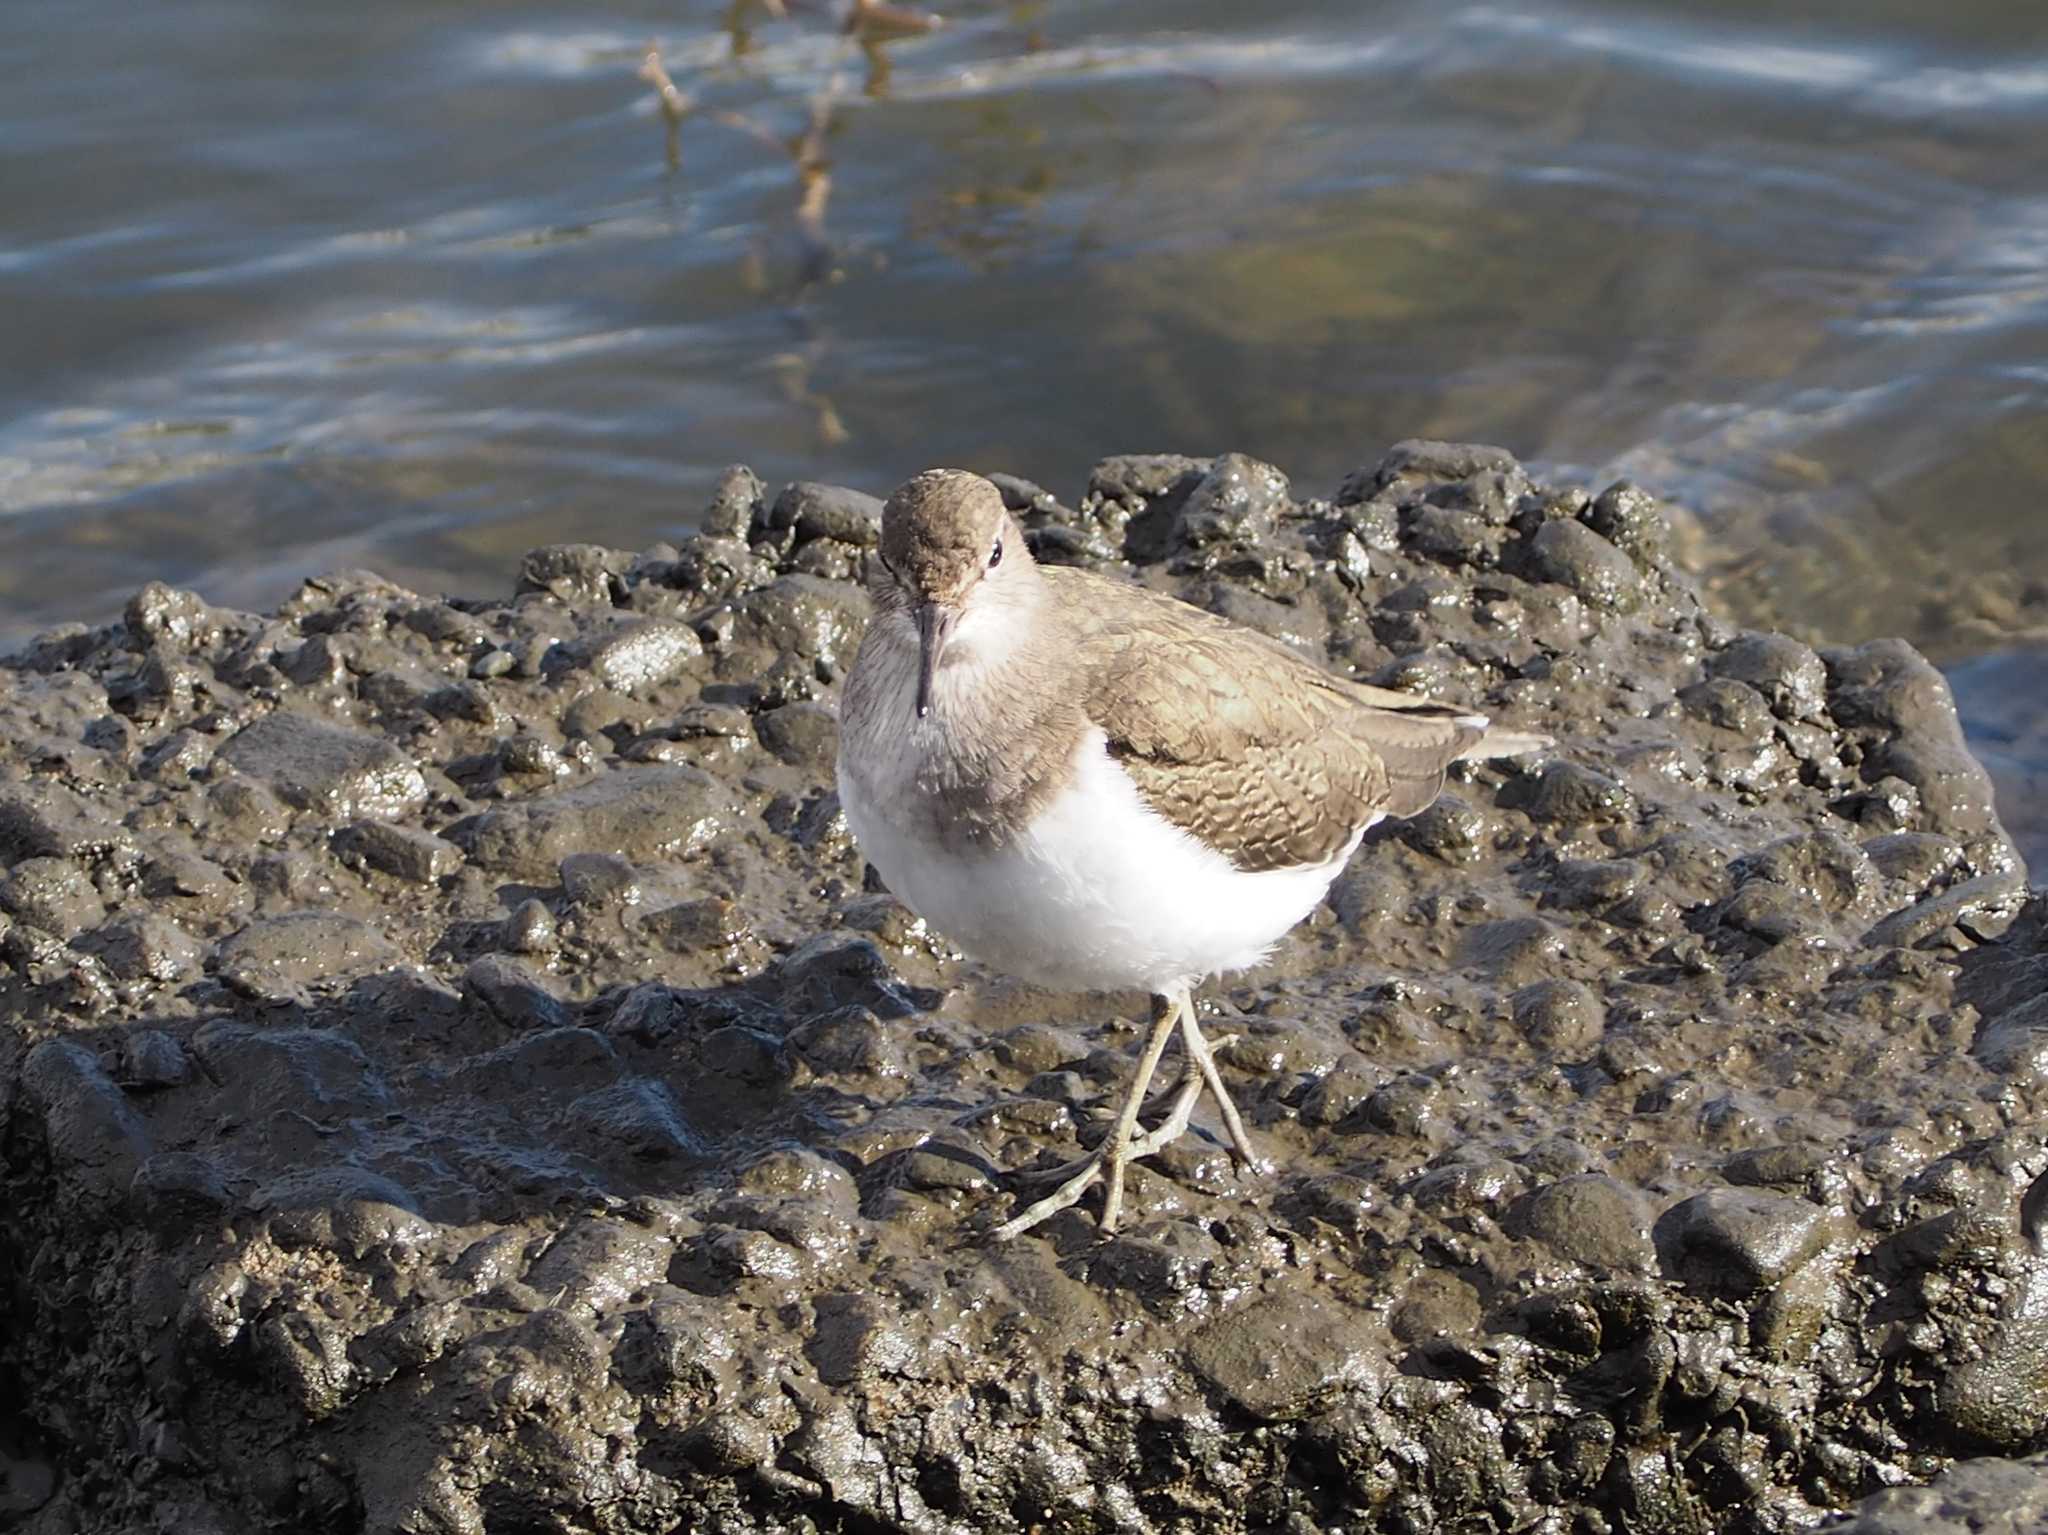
{"x":1239,"y":741}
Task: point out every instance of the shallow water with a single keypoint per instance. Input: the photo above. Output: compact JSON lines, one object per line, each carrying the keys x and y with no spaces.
{"x":412,"y":286}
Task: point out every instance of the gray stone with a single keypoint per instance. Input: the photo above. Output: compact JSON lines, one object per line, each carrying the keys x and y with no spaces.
{"x":641,"y":654}
{"x":1788,"y":674}
{"x":53,"y":894}
{"x":802,"y":734}
{"x":404,"y":852}
{"x":1273,"y":1358}
{"x":1573,"y":555}
{"x":340,"y":772}
{"x":829,"y":511}
{"x":278,"y":958}
{"x":515,"y":993}
{"x":1589,"y":1218}
{"x":599,"y":880}
{"x":643,"y":812}
{"x":1738,"y":1241}
{"x":146,"y":947}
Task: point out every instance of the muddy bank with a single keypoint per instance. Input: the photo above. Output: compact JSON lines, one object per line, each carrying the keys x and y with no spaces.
{"x":456,"y":1076}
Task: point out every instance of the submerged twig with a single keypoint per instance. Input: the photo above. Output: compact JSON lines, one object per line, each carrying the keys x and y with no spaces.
{"x":675,"y":104}
{"x":878,"y":21}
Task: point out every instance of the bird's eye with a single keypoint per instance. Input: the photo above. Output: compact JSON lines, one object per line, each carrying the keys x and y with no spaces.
{"x":995,"y":555}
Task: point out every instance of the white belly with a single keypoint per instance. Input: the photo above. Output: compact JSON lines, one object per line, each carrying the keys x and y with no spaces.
{"x":1100,"y":893}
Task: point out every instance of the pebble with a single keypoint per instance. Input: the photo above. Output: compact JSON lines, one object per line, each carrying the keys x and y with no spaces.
{"x":1561,"y":1017}
{"x":1588,"y":1218}
{"x":146,"y":947}
{"x":1788,"y":674}
{"x":1573,"y":555}
{"x":805,"y":735}
{"x":404,"y":852}
{"x":530,"y":928}
{"x":599,"y":880}
{"x":643,"y":654}
{"x":334,"y":770}
{"x":277,"y":958}
{"x":53,"y":894}
{"x":650,"y":812}
{"x":1572,"y":794}
{"x":94,"y":1136}
{"x":514,"y":993}
{"x":1269,"y":1358}
{"x":1738,"y":1241}
{"x":828,"y":511}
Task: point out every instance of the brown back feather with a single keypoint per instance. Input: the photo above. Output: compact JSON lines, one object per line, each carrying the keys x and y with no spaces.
{"x":1241,"y":742}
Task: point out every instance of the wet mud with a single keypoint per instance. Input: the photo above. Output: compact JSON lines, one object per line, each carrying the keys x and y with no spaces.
{"x":455,"y":1074}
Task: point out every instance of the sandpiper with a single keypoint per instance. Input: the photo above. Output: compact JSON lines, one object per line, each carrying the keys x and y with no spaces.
{"x":1094,"y":786}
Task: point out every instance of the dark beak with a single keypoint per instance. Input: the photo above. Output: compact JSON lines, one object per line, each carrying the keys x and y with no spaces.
{"x":934,"y":628}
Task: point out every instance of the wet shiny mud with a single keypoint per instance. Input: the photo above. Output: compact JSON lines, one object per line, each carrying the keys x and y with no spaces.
{"x":455,"y":1074}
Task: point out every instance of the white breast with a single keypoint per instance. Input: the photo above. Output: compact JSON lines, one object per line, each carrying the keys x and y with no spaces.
{"x":1099,"y":893}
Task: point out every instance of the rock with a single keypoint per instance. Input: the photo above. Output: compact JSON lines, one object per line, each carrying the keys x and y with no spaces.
{"x":178,"y":1192}
{"x":828,"y":511}
{"x":53,"y":894}
{"x":514,"y":993}
{"x":697,"y":924}
{"x":1738,"y":1241}
{"x":735,"y":503}
{"x":404,"y":852}
{"x":1589,"y":1218}
{"x":1982,"y":908}
{"x":146,"y":948}
{"x":1271,"y":1359}
{"x":493,"y":1200}
{"x":598,"y":880}
{"x":648,"y":812}
{"x":1420,"y":461}
{"x":246,"y":809}
{"x":641,"y":654}
{"x":804,"y":735}
{"x":1562,"y":1017}
{"x":339,"y":772}
{"x":42,"y":820}
{"x":162,"y":615}
{"x":1573,"y":555}
{"x":1573,"y":794}
{"x":529,"y":929}
{"x":1988,"y":1496}
{"x":1999,"y":1401}
{"x":577,"y":573}
{"x":1786,"y":673}
{"x":1237,"y":502}
{"x":807,"y":617}
{"x":1630,"y":519}
{"x":93,"y":1135}
{"x":277,"y":958}
{"x":150,"y":1058}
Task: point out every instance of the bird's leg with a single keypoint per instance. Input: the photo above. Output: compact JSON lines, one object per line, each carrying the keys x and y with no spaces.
{"x":1203,"y":1060}
{"x":1108,"y":1159}
{"x":1127,"y":1119}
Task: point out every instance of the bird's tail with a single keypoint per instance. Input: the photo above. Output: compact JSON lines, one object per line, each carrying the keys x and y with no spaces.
{"x":1502,"y":743}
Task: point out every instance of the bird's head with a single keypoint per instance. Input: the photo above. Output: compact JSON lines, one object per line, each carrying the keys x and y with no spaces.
{"x":952,"y":564}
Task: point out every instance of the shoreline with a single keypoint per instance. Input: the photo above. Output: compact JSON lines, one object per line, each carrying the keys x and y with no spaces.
{"x":454,"y":1070}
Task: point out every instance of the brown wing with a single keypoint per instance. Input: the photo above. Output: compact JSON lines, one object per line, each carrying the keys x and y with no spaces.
{"x":1238,"y":740}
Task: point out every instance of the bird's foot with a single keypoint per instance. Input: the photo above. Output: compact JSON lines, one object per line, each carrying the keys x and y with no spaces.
{"x":1077,"y":1177}
{"x":1201,"y":1053}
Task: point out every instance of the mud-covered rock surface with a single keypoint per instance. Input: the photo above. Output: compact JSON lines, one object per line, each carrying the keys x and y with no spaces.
{"x":455,"y":1075}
